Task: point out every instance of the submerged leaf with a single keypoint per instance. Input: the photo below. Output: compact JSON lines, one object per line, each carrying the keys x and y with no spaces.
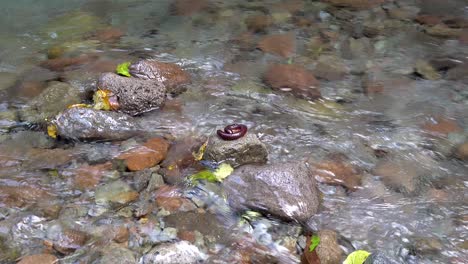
{"x":357,"y":257}
{"x":223,"y":171}
{"x":122,"y":69}
{"x":199,"y":154}
{"x":101,"y":100}
{"x":204,"y":175}
{"x":314,"y":242}
{"x":218,"y":175}
{"x":52,"y":131}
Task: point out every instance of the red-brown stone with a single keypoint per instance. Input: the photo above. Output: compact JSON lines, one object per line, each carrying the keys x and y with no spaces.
{"x":283,"y":45}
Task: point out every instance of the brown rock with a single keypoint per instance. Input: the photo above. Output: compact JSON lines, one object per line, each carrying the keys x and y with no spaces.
{"x":245,"y":41}
{"x":283,"y":45}
{"x":355,"y":4}
{"x":441,"y":126}
{"x":146,"y":156}
{"x":22,"y":195}
{"x":330,"y":68}
{"x":336,"y":170}
{"x":70,"y":240}
{"x":109,"y":35}
{"x":258,"y":23}
{"x":30,"y":89}
{"x":328,"y":250}
{"x":294,"y":79}
{"x":39,"y":259}
{"x":400,"y":175}
{"x":462,"y":151}
{"x":47,"y":158}
{"x":187,"y":7}
{"x":59,"y":64}
{"x":186,"y":235}
{"x":429,"y":20}
{"x":291,"y":6}
{"x":120,"y":234}
{"x":372,"y":86}
{"x":443,"y":31}
{"x":175,"y":204}
{"x":89,"y":176}
{"x":463,"y":37}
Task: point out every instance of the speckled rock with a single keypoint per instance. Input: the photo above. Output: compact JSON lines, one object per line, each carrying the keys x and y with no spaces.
{"x":114,"y":253}
{"x":39,"y":259}
{"x":329,"y":251}
{"x":135,"y":96}
{"x":282,"y":45}
{"x":330,"y":68}
{"x":91,"y":124}
{"x":246,"y":150}
{"x":379,"y":258}
{"x":175,"y":253}
{"x":284,"y":190}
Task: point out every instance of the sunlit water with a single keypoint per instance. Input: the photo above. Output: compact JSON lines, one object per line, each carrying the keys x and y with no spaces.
{"x":374,"y":217}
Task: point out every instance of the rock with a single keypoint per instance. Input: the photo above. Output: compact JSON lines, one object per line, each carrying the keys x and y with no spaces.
{"x":56,"y":97}
{"x":458,"y":73}
{"x":175,"y":253}
{"x":7,"y":80}
{"x":355,"y":4}
{"x":89,"y":176}
{"x":114,"y":253}
{"x":146,"y":156}
{"x":371,"y":84}
{"x":426,"y":70}
{"x":283,"y":190}
{"x":60,"y":64}
{"x":29,"y":89}
{"x":294,"y":79}
{"x":206,"y":223}
{"x":441,"y":126}
{"x":328,"y":250}
{"x":404,"y":13}
{"x":258,"y":23}
{"x":443,"y":31}
{"x":462,"y":151}
{"x":187,"y":8}
{"x":108,"y":35}
{"x":168,"y":74}
{"x":337,"y":170}
{"x":379,"y":258}
{"x":429,"y":20}
{"x":427,"y":245}
{"x":20,"y":196}
{"x":245,"y":150}
{"x":330,"y":68}
{"x":71,"y":26}
{"x":47,"y":158}
{"x":283,"y":45}
{"x":117,"y":192}
{"x":70,"y":240}
{"x":91,"y":124}
{"x":8,"y":119}
{"x":134,"y":96}
{"x":39,"y":259}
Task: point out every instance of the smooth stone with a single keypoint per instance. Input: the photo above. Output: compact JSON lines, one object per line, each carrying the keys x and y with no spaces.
{"x":175,"y":253}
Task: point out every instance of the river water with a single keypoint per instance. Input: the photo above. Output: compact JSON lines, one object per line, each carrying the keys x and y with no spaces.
{"x":395,"y":104}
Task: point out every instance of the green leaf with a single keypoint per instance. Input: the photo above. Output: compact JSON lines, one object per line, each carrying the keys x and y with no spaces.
{"x":314,"y":242}
{"x":223,"y":171}
{"x":122,"y":69}
{"x":357,"y":257}
{"x":218,"y":175}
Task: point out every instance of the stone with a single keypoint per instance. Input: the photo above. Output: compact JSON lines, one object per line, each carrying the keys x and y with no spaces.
{"x":173,"y":253}
{"x":20,"y":196}
{"x":355,"y":4}
{"x":187,"y":8}
{"x":258,"y":23}
{"x":175,"y":204}
{"x":71,"y":26}
{"x":170,"y":75}
{"x":117,"y":192}
{"x":441,"y":126}
{"x":47,"y":158}
{"x":7,"y":80}
{"x":92,"y":124}
{"x":330,"y":68}
{"x":56,"y":97}
{"x":70,"y":240}
{"x":427,"y":245}
{"x":89,"y":176}
{"x":284,"y":190}
{"x":208,"y":224}
{"x":426,"y":70}
{"x":62,"y":63}
{"x":245,"y":150}
{"x":135,"y":96}
{"x":337,"y":170}
{"x":146,"y":156}
{"x":462,"y":151}
{"x":293,"y":79}
{"x":114,"y":253}
{"x":379,"y":258}
{"x":328,"y":250}
{"x":29,"y":89}
{"x":283,"y":45}
{"x":39,"y":259}
{"x":443,"y":31}
{"x":429,"y":20}
{"x":108,"y":35}
{"x":459,"y":72}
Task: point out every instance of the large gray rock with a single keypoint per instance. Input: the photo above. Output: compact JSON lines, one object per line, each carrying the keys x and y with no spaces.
{"x":379,"y":258}
{"x":245,"y":150}
{"x":285,"y":190}
{"x":91,"y":124}
{"x":56,"y":97}
{"x":176,"y":253}
{"x":135,"y":96}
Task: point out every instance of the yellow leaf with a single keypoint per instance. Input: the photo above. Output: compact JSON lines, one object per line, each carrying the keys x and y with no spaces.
{"x":223,"y":171}
{"x":201,"y":151}
{"x":52,"y":131}
{"x":357,"y":257}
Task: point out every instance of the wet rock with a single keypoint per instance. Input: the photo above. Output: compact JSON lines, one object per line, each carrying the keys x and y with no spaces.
{"x":56,"y":97}
{"x":146,"y":156}
{"x":427,"y":245}
{"x":71,"y":26}
{"x":328,"y":250}
{"x":462,"y":151}
{"x":60,"y":64}
{"x":458,"y":73}
{"x":284,"y":190}
{"x":205,"y":223}
{"x":47,"y":158}
{"x":70,"y":240}
{"x":294,"y":79}
{"x":379,"y":258}
{"x":39,"y":259}
{"x":108,"y":35}
{"x":7,"y":80}
{"x":20,"y":196}
{"x":429,"y":20}
{"x":29,"y":89}
{"x":245,"y":150}
{"x":91,"y":124}
{"x":89,"y":176}
{"x":8,"y":119}
{"x":117,"y":254}
{"x":371,"y":84}
{"x":441,"y":126}
{"x":330,"y":68}
{"x":404,"y":13}
{"x":134,"y":96}
{"x":187,"y":8}
{"x":283,"y":45}
{"x":117,"y":192}
{"x":258,"y":23}
{"x":426,"y":70}
{"x":168,"y":74}
{"x":175,"y":204}
{"x":176,"y":253}
{"x":443,"y":31}
{"x":337,"y":170}
{"x":355,"y":4}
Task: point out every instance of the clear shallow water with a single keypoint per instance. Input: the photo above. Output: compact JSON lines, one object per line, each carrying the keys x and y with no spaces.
{"x":226,"y":88}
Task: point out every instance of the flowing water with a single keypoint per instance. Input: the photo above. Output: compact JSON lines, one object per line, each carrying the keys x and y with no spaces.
{"x":412,"y":200}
